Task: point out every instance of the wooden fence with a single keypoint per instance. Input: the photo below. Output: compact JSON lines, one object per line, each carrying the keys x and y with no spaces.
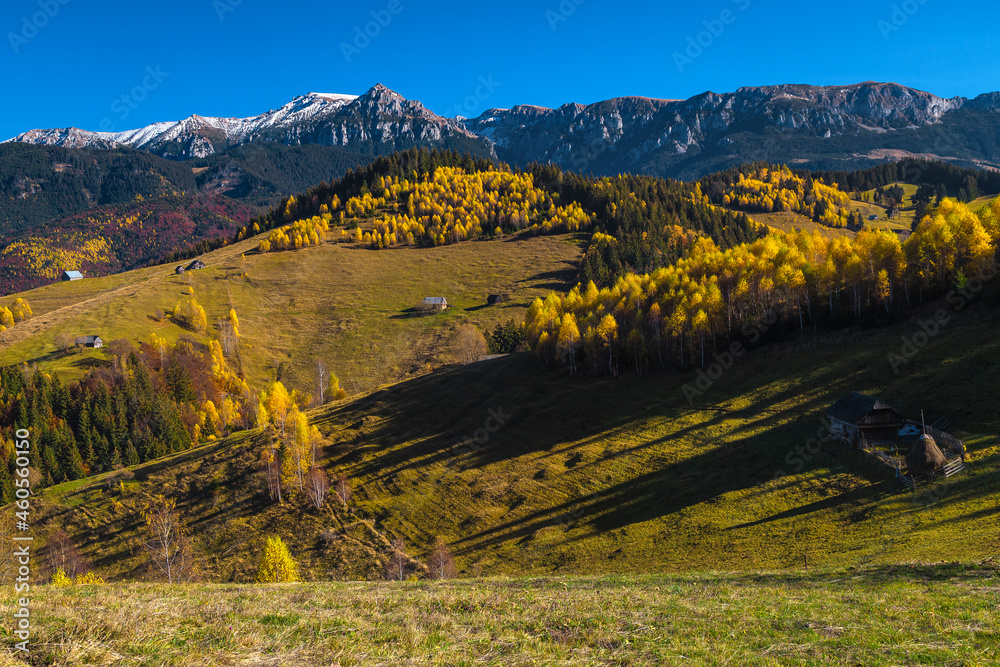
{"x":945,"y":441}
{"x":952,"y":467}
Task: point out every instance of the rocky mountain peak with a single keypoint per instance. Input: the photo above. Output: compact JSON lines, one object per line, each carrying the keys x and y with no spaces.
{"x":631,"y":133}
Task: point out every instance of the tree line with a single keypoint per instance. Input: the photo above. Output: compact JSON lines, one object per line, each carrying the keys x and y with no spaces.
{"x":454,"y":197}
{"x":675,"y":316}
{"x":153,"y":399}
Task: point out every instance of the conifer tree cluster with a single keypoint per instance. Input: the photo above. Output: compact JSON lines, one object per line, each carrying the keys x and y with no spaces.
{"x":154,"y":399}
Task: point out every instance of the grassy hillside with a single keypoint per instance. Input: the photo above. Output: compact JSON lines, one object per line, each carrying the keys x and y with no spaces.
{"x":350,"y":306}
{"x":937,"y":616}
{"x":906,"y":214}
{"x":789,"y":221}
{"x":590,"y":475}
{"x":596,"y":474}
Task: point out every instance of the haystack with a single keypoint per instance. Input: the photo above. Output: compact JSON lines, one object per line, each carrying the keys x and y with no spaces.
{"x":924,"y":457}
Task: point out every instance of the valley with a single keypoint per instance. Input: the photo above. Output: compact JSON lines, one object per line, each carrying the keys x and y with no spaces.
{"x":349,"y":382}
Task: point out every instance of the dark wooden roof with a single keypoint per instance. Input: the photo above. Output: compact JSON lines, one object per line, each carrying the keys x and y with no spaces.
{"x":855,"y":406}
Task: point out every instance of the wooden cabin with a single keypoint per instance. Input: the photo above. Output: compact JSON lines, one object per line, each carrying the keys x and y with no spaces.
{"x":195,"y":265}
{"x":71,"y":275}
{"x":435,"y":303}
{"x":89,"y":341}
{"x":861,"y":420}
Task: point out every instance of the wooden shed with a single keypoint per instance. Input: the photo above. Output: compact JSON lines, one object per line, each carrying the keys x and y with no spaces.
{"x":861,"y":420}
{"x":435,"y":303}
{"x":496,"y":299}
{"x":89,"y":341}
{"x":71,"y":275}
{"x":195,"y":265}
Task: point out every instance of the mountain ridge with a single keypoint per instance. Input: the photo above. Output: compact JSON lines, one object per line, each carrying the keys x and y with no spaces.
{"x":321,"y":118}
{"x":840,"y":126}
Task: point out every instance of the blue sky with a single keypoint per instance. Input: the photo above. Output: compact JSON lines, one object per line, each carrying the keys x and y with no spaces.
{"x":68,"y":62}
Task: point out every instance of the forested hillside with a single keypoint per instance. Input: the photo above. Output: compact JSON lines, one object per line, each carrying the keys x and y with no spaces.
{"x":109,"y":239}
{"x":434,"y":198}
{"x":259,"y":174}
{"x":679,"y":315}
{"x":106,"y":211}
{"x":632,"y":284}
{"x":41,"y":183}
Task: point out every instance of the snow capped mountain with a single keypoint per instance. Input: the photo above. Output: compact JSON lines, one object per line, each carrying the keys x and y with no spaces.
{"x":380,"y":116}
{"x":681,"y":138}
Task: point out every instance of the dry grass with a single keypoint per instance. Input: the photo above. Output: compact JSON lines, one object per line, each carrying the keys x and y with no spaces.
{"x":351,"y":306}
{"x":893,"y":616}
{"x":788,"y":221}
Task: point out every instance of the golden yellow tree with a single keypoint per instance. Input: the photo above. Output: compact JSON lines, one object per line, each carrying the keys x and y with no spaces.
{"x":276,"y":563}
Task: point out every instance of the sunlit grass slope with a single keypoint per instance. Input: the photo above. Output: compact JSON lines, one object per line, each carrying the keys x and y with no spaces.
{"x":524,"y":470}
{"x":351,"y":307}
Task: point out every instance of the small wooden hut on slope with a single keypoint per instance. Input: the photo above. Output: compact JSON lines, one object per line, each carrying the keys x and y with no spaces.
{"x":875,"y":427}
{"x":861,"y":420}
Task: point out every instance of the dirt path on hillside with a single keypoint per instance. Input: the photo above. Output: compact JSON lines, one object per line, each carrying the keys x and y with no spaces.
{"x":37,"y":325}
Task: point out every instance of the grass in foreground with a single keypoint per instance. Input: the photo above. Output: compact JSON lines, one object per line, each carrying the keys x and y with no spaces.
{"x":944,"y":615}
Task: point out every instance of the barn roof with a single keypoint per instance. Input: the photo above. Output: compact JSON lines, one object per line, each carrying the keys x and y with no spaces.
{"x":435,"y":299}
{"x":83,"y":340}
{"x":73,"y":274}
{"x":853,"y":407}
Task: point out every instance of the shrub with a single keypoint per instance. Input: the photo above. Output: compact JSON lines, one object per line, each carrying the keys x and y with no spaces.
{"x":89,"y":578}
{"x":59,"y":578}
{"x":276,"y":564}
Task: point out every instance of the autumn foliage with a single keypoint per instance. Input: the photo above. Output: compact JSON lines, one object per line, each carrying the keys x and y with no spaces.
{"x":276,"y":564}
{"x":675,"y":314}
{"x":451,"y":205}
{"x":775,"y":189}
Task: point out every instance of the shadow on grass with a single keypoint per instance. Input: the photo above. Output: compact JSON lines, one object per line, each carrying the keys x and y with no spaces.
{"x":559,"y":280}
{"x":409,"y":313}
{"x":429,"y":426}
{"x":90,"y":363}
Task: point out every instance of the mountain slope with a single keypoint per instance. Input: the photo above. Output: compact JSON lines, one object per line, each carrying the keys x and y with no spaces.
{"x":828,"y":127}
{"x":42,"y":183}
{"x":378,"y":122}
{"x":524,"y":471}
{"x":521,"y":468}
{"x":110,"y":239}
{"x":688,"y":138}
{"x":348,"y":305}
